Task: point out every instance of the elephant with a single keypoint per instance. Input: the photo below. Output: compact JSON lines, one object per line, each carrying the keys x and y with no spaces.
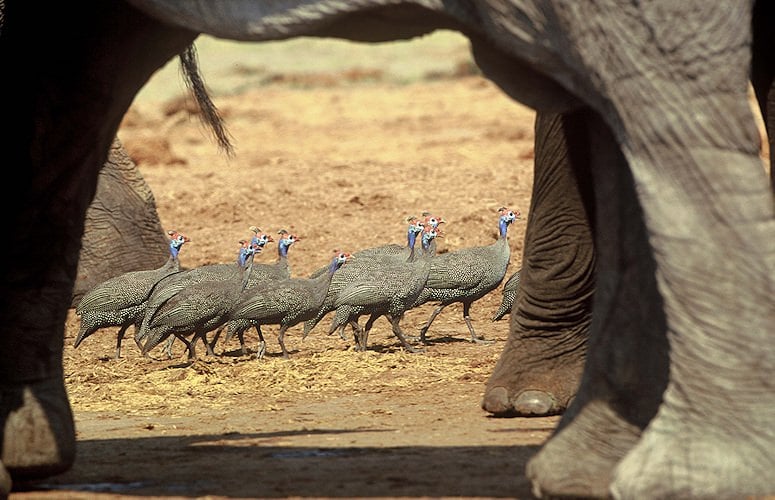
{"x":122,"y":230}
{"x":672,"y":212}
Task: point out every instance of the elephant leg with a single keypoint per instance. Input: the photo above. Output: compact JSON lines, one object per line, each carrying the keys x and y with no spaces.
{"x":5,"y":482}
{"x":690,"y":141}
{"x":763,"y":71}
{"x":620,"y":390}
{"x":87,"y":87}
{"x":540,"y":367}
{"x":713,"y":435}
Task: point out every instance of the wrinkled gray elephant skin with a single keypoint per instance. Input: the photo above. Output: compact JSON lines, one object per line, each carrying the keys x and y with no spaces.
{"x":122,"y":232}
{"x":675,"y":395}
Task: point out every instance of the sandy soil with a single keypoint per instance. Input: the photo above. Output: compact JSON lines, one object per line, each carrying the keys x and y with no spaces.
{"x":340,"y":157}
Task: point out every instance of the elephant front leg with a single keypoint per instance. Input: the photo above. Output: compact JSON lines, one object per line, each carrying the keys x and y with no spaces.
{"x":540,"y":368}
{"x":713,"y":436}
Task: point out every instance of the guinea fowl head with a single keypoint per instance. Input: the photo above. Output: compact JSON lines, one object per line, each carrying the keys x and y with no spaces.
{"x":248,"y":248}
{"x":432,"y":220}
{"x":339,"y":259}
{"x":506,"y":217}
{"x":286,"y":240}
{"x":176,"y":241}
{"x":260,"y":238}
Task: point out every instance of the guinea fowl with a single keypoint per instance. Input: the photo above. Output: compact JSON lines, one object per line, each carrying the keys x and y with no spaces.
{"x":389,"y":251}
{"x":388,"y":289}
{"x":260,"y":275}
{"x":509,"y":293}
{"x":285,"y":302}
{"x":200,"y":307}
{"x":394,"y":249}
{"x":121,"y":301}
{"x":363,"y":259}
{"x":167,"y":288}
{"x":467,"y":275}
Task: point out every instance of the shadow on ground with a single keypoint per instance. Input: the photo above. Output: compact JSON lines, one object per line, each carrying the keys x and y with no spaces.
{"x":258,"y":465}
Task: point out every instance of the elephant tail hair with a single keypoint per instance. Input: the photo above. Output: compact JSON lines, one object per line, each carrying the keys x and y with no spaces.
{"x":210,"y":116}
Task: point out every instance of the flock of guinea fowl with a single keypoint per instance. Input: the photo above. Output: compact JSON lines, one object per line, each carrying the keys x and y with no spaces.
{"x":171,"y":303}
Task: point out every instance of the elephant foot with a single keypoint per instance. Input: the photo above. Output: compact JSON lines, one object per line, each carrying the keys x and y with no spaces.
{"x":38,"y":432}
{"x":579,"y":460}
{"x":680,"y":459}
{"x":524,"y":384}
{"x":5,"y":482}
{"x":528,"y":403}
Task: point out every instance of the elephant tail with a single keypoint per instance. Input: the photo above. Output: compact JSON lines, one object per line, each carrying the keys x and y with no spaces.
{"x":210,"y":115}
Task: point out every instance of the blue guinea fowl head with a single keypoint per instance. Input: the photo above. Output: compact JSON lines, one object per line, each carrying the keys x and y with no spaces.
{"x":286,"y":240}
{"x":506,"y":217}
{"x":260,"y":238}
{"x":247,"y":249}
{"x":339,"y":259}
{"x":432,"y":220}
{"x":176,"y":241}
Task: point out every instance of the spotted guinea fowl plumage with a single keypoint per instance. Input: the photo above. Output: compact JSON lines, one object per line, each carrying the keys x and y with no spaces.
{"x":388,"y":289}
{"x":348,"y":315}
{"x":167,"y":288}
{"x":393,"y":249}
{"x":466,"y":275}
{"x":121,"y":301}
{"x":285,"y":302}
{"x":363,"y":259}
{"x":509,"y":294}
{"x":200,"y":307}
{"x":260,"y":275}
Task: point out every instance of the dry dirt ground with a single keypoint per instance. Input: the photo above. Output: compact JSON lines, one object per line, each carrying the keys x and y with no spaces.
{"x":340,"y":151}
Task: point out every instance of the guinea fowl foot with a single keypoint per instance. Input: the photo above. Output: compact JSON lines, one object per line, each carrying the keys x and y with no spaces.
{"x":261,"y":350}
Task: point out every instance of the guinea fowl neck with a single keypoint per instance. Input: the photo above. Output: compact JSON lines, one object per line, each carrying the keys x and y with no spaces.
{"x":503,"y":227}
{"x":246,"y":266}
{"x":282,"y":250}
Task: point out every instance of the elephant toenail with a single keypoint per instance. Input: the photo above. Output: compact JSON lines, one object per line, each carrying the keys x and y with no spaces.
{"x":535,"y":404}
{"x":496,"y":401}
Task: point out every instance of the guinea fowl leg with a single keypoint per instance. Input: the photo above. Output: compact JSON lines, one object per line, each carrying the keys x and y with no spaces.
{"x":137,"y":341}
{"x":189,"y":346}
{"x":280,"y":339}
{"x":168,"y":346}
{"x":208,"y":345}
{"x":216,"y":337}
{"x":394,"y":321}
{"x":261,"y":343}
{"x":362,"y":335}
{"x":119,"y":338}
{"x":467,"y":318}
{"x":435,"y":313}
